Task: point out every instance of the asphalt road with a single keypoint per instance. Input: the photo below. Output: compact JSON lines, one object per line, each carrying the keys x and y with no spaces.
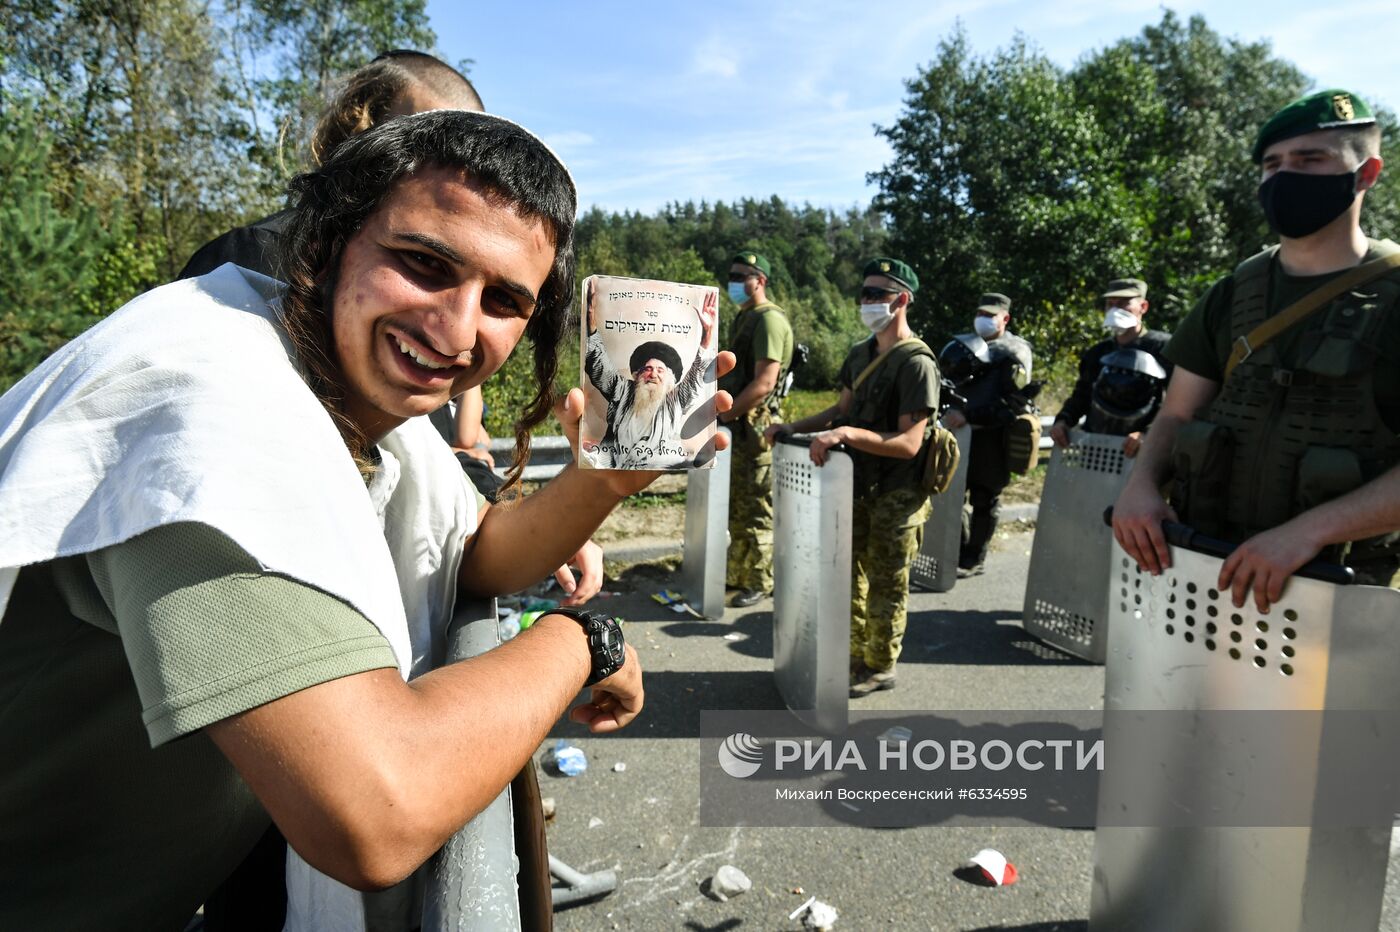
{"x":963,"y":650}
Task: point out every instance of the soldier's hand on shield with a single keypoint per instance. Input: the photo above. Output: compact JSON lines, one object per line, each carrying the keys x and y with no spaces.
{"x":1059,"y":433}
{"x":615,"y":701}
{"x":1264,"y":563}
{"x":1132,"y":443}
{"x":772,"y":432}
{"x":953,"y":419}
{"x":589,"y":563}
{"x":1137,"y":525}
{"x":824,"y":441}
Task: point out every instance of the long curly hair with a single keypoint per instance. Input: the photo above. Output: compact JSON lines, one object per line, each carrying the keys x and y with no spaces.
{"x":332,"y":203}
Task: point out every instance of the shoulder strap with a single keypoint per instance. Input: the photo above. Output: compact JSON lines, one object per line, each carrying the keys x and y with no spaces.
{"x":914,"y":344}
{"x":1248,"y":344}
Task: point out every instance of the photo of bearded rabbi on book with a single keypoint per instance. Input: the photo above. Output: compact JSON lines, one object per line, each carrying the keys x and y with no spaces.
{"x":645,"y":409}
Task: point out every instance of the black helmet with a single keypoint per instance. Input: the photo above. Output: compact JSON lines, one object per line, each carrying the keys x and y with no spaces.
{"x":963,"y":356}
{"x":1127,"y":392}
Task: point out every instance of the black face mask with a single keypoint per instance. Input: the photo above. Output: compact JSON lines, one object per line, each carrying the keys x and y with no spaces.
{"x":1298,"y":204}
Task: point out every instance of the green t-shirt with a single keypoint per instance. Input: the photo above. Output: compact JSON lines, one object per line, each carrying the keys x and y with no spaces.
{"x":915,"y":391}
{"x":771,"y":338}
{"x":117,"y":812}
{"x":1202,"y":343}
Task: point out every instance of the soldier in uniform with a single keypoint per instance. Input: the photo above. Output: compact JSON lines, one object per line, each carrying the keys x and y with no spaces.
{"x":1286,"y":442}
{"x":1121,"y":378}
{"x":761,"y":340}
{"x":889,"y":390}
{"x":993,"y":400}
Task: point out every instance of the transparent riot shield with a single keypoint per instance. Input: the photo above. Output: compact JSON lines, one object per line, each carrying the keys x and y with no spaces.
{"x":706,"y":549}
{"x":812,"y":582}
{"x":935,"y":567}
{"x":1067,"y":585}
{"x":471,"y":880}
{"x":1177,"y":644}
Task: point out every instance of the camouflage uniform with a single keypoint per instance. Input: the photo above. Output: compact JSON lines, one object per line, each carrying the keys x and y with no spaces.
{"x":886,"y":533}
{"x":750,"y":564}
{"x":889,"y":505}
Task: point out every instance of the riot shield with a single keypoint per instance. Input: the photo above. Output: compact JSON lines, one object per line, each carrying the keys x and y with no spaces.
{"x":706,"y":536}
{"x":935,"y":567}
{"x":471,"y":880}
{"x":1067,"y":585}
{"x":1177,"y":644}
{"x":812,"y":582}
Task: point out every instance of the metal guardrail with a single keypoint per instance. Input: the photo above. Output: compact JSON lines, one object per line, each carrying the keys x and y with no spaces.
{"x":549,"y":455}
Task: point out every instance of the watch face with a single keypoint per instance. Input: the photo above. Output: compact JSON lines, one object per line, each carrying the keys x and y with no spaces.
{"x":612,"y":644}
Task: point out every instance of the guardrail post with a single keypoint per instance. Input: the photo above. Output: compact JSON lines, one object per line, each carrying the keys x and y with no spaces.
{"x":471,"y":880}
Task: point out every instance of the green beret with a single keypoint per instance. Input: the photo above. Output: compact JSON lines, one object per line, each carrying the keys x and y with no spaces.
{"x":756,"y":260}
{"x":1126,"y":288}
{"x":996,"y":303}
{"x":1329,"y":109}
{"x":893,"y":268}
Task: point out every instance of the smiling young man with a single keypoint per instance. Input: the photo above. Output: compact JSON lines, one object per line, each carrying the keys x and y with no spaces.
{"x":1287,"y":442}
{"x":226,"y":540}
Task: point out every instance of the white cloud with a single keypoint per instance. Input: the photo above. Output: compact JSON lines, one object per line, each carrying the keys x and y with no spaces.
{"x":715,"y":57}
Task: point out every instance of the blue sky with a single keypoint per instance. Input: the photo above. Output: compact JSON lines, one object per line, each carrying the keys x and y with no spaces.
{"x":656,"y":102}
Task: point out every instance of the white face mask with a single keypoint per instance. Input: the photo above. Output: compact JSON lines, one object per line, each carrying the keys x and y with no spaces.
{"x":876,"y":316}
{"x":986,"y":327}
{"x":737,"y":293}
{"x":1119,"y":320}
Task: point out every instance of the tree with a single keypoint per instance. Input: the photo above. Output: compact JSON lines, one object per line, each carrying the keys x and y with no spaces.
{"x":311,"y":44}
{"x":142,"y":119}
{"x":1009,"y":173}
{"x":48,"y":255}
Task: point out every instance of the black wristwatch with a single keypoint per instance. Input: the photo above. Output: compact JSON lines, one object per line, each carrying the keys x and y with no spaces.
{"x":605,"y":643}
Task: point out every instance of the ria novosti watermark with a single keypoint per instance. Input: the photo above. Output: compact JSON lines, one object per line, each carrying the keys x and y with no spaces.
{"x":741,"y":754}
{"x":1047,"y":768}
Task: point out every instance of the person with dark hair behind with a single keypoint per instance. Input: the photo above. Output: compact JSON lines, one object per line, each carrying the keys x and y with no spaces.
{"x":231,"y":604}
{"x":396,"y":83}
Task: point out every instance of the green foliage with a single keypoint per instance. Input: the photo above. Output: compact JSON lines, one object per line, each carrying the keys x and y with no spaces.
{"x":142,"y":107}
{"x":314,"y":43}
{"x":1012,"y":174}
{"x":49,"y":253}
{"x":126,"y":268}
{"x":134,"y":131}
{"x":801,"y":403}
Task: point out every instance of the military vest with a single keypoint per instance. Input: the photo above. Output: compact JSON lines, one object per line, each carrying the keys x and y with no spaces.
{"x":875,"y":406}
{"x":1278,"y":441}
{"x":992,"y":383}
{"x":741,"y":344}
